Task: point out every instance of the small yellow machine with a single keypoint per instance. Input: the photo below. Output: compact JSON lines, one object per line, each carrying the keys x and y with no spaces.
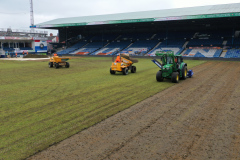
{"x":58,"y":62}
{"x":123,"y":64}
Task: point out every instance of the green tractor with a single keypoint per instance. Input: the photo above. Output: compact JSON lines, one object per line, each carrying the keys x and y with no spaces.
{"x":172,"y":67}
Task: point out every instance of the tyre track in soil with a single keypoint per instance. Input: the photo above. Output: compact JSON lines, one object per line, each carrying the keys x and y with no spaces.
{"x":195,"y":119}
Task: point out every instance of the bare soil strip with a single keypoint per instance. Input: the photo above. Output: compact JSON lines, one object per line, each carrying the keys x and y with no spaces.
{"x":195,"y":119}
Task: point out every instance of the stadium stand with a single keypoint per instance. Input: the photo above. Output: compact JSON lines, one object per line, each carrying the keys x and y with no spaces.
{"x":181,"y":35}
{"x":211,"y":42}
{"x":187,"y":51}
{"x":175,"y":45}
{"x":112,"y":48}
{"x":218,"y":53}
{"x":236,"y":43}
{"x":229,"y":42}
{"x":160,"y":35}
{"x":174,"y":35}
{"x":214,"y":34}
{"x":72,"y":48}
{"x":176,"y":50}
{"x":136,"y":36}
{"x":202,"y":53}
{"x":233,"y":43}
{"x":104,"y":37}
{"x":141,"y":47}
{"x":232,"y":53}
{"x":206,"y":31}
{"x":90,"y":48}
{"x":188,"y":43}
{"x":87,"y":37}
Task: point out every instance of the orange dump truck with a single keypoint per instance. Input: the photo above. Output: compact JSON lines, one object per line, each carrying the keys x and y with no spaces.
{"x":57,"y":62}
{"x":123,"y":63}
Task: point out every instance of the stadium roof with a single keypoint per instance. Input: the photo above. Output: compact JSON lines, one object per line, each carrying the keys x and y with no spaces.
{"x":203,"y":12}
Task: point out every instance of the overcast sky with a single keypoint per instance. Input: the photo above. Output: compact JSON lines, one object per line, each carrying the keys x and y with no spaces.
{"x":16,"y":13}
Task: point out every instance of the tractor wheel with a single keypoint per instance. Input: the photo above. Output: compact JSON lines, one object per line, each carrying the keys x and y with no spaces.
{"x":125,"y":71}
{"x":159,"y":76}
{"x":56,"y":65}
{"x":184,"y":72}
{"x":112,"y":72}
{"x":50,"y":64}
{"x":175,"y":77}
{"x":67,"y":65}
{"x":134,"y":69}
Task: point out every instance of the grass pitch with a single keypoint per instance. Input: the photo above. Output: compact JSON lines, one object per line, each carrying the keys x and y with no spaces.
{"x":40,"y":106}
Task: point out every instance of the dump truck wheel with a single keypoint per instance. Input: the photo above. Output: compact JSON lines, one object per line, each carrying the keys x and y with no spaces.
{"x":184,"y":73}
{"x":56,"y":65}
{"x":125,"y":71}
{"x":175,"y":77}
{"x":50,"y":64}
{"x":67,"y":65}
{"x":134,"y":69}
{"x":112,"y":72}
{"x":159,"y":76}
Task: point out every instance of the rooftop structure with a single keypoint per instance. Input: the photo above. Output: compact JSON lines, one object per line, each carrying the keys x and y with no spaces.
{"x":22,"y":33}
{"x":203,"y":12}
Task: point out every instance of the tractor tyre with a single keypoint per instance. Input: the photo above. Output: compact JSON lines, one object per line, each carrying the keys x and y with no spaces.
{"x":159,"y":76}
{"x":134,"y":69}
{"x":125,"y":71}
{"x":50,"y":64}
{"x":112,"y":72}
{"x":175,"y":77}
{"x":184,"y":72}
{"x":67,"y":65}
{"x":57,"y":65}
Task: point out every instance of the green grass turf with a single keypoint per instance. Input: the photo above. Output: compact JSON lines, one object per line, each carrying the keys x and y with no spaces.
{"x":40,"y":106}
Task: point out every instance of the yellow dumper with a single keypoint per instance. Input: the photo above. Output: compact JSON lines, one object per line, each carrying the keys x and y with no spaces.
{"x":58,"y":62}
{"x":123,"y":64}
